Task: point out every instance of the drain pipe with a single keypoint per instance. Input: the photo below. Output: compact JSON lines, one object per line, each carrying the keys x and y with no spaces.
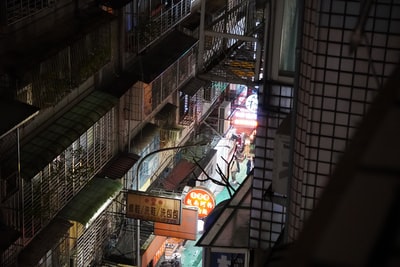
{"x":293,"y":116}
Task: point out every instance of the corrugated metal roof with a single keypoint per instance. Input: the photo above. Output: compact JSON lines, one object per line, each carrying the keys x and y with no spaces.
{"x":52,"y":141}
{"x":119,"y":166}
{"x":182,"y":170}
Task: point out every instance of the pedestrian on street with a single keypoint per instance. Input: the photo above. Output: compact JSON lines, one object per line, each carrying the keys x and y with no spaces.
{"x":234,"y":171}
{"x":249,"y":165}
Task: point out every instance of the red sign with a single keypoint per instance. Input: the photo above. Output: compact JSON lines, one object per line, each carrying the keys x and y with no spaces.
{"x":201,"y":198}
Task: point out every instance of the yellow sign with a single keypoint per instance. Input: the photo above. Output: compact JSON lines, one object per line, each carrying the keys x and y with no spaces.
{"x":153,"y":207}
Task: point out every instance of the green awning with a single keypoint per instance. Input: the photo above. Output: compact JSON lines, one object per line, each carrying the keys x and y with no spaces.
{"x":90,"y":199}
{"x":51,"y":142}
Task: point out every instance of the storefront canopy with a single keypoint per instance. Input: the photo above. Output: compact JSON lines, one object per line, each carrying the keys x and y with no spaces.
{"x":51,"y":142}
{"x":183,"y":169}
{"x":90,"y":199}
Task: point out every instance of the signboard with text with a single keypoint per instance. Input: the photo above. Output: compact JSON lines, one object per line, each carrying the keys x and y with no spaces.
{"x":186,"y":230}
{"x":202,"y":198}
{"x":154,"y":208}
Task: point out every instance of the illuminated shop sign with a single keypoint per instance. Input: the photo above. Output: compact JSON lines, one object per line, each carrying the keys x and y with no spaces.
{"x":186,"y":230}
{"x":201,"y":198}
{"x":243,"y":117}
{"x":153,"y":207}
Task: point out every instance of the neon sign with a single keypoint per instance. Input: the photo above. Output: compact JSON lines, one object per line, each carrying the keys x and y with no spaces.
{"x":243,"y":117}
{"x":201,"y":198}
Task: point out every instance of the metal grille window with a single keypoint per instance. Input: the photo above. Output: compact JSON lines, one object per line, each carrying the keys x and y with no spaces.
{"x":91,"y":240}
{"x":149,"y":166}
{"x":19,"y":9}
{"x":156,"y":93}
{"x":169,"y":79}
{"x":51,"y":189}
{"x":51,"y":80}
{"x":145,"y":23}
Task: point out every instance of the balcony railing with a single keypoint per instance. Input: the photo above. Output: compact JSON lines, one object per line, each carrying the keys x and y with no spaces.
{"x":49,"y":81}
{"x":151,"y":28}
{"x":16,"y":10}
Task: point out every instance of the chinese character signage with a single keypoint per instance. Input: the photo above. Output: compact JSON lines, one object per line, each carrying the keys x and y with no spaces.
{"x":153,"y":208}
{"x":186,"y":230}
{"x":201,"y":198}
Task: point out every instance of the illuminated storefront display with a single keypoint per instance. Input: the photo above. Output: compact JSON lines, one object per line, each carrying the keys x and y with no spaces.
{"x":244,"y":118}
{"x":153,"y":208}
{"x":186,"y":230}
{"x":201,"y":198}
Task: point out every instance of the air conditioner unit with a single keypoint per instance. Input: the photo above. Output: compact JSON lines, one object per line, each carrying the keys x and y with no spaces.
{"x":223,"y":114}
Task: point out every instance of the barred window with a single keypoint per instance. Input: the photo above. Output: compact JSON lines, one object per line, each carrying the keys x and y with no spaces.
{"x":19,"y":9}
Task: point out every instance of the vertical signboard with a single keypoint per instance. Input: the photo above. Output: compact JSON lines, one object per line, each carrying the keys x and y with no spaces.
{"x":153,"y":207}
{"x":186,"y":230}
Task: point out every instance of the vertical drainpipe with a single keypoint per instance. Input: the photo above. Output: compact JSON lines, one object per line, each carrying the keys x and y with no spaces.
{"x":138,"y":256}
{"x":300,"y":9}
{"x":21,"y":182}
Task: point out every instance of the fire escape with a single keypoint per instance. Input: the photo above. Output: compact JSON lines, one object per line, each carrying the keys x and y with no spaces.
{"x":230,"y":48}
